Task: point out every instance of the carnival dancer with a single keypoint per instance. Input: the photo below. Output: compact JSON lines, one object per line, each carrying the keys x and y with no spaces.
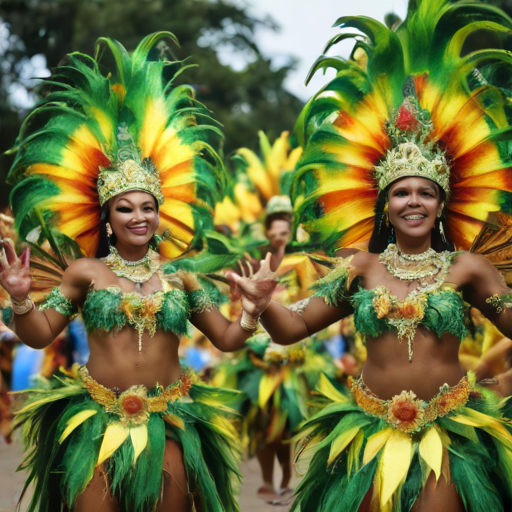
{"x":102,"y":163}
{"x":407,"y":158}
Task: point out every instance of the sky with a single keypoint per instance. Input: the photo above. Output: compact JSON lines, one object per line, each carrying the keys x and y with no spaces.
{"x":306,"y":25}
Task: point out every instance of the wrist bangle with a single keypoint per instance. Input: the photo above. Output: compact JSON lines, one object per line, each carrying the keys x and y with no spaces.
{"x":21,"y":307}
{"x":248,"y":322}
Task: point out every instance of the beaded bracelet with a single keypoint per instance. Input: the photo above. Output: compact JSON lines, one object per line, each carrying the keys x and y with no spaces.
{"x":248,"y":322}
{"x":21,"y":307}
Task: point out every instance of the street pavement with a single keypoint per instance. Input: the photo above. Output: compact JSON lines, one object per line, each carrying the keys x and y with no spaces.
{"x":11,"y":482}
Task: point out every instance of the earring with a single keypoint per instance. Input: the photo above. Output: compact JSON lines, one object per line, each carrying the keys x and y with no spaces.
{"x":392,"y":237}
{"x":108,"y":228}
{"x":441,"y":230}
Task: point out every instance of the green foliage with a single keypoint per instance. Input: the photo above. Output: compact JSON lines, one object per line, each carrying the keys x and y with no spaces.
{"x":243,"y":101}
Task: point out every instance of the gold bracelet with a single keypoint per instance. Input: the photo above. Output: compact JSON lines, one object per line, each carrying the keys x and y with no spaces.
{"x":248,"y":322}
{"x":21,"y":307}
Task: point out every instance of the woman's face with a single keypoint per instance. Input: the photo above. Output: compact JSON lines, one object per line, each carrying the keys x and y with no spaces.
{"x":413,"y":204}
{"x":133,"y":217}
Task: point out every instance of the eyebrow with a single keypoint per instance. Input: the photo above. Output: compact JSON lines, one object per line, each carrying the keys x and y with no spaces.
{"x":148,"y":201}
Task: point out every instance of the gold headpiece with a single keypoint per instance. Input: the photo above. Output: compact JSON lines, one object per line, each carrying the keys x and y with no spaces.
{"x":406,"y":160}
{"x":130,"y":173}
{"x":129,"y":176}
{"x":412,"y":152}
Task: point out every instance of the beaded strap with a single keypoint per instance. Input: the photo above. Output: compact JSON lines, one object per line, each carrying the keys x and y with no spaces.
{"x":59,"y":302}
{"x":200,"y":301}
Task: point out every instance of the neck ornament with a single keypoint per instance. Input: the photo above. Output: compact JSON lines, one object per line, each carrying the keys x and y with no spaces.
{"x":138,"y":271}
{"x":428,"y":268}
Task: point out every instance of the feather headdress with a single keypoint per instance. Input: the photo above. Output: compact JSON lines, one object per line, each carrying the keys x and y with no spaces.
{"x":413,"y":100}
{"x":105,"y":130}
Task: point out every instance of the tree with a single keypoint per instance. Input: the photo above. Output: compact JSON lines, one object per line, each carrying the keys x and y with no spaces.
{"x":243,"y":101}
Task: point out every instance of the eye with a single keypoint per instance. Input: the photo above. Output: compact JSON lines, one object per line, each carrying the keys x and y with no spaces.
{"x":150,"y":208}
{"x":400,"y":193}
{"x":428,"y":193}
{"x":123,"y":209}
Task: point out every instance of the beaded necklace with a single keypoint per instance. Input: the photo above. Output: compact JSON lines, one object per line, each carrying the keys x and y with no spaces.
{"x":138,"y":271}
{"x":428,"y":268}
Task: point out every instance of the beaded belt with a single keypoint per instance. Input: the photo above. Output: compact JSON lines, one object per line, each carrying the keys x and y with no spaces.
{"x":408,"y":413}
{"x":134,"y":404}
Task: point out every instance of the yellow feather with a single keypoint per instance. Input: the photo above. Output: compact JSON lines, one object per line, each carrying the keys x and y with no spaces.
{"x":139,"y":437}
{"x":257,"y":172}
{"x":268,"y":384}
{"x":353,"y":453}
{"x":374,"y":444}
{"x":155,"y":118}
{"x":115,"y":435}
{"x":327,"y":389}
{"x":395,"y":462}
{"x":175,"y":420}
{"x":431,"y":450}
{"x":76,"y":421}
{"x":341,"y":442}
{"x":105,"y":123}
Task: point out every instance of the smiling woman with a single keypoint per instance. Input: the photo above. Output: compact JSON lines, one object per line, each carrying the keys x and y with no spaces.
{"x":124,"y":156}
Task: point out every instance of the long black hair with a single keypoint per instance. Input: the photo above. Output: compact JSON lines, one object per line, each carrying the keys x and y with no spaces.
{"x":106,"y":241}
{"x":382,"y":234}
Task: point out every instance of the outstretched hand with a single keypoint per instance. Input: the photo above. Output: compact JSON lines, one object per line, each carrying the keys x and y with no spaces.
{"x":14,"y":270}
{"x":256,"y":290}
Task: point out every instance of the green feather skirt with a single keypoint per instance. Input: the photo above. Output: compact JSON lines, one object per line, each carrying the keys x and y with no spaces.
{"x":359,"y":444}
{"x":276,"y":384}
{"x":72,"y":425}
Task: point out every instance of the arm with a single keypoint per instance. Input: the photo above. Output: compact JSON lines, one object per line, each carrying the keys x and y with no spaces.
{"x":286,"y":326}
{"x":35,"y":328}
{"x":486,"y":291}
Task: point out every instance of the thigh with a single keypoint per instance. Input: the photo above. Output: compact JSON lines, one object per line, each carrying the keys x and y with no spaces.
{"x":96,"y":496}
{"x":175,"y":492}
{"x":440,"y":497}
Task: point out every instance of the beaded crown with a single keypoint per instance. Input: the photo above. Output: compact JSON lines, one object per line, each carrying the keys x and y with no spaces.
{"x":130,"y":173}
{"x":412,"y":154}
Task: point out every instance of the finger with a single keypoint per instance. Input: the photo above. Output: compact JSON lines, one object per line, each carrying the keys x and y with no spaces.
{"x":242,"y":270}
{"x":25,"y":258}
{"x":251,"y":270}
{"x":10,"y":250}
{"x":3,"y":258}
{"x":233,"y":277}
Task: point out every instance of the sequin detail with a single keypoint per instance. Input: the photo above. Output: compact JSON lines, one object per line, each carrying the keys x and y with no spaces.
{"x":408,"y":413}
{"x":59,"y":302}
{"x":200,"y":301}
{"x":500,"y":301}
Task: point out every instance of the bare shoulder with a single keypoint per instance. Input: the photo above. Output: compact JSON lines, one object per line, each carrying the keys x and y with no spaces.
{"x":83,"y":271}
{"x":472,"y":263}
{"x":361,"y":260}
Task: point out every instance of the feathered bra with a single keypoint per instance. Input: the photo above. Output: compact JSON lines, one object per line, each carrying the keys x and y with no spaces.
{"x":345,"y":127}
{"x":93,"y":120}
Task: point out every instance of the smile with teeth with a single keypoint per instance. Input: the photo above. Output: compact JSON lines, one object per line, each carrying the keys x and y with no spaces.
{"x":414,"y":217}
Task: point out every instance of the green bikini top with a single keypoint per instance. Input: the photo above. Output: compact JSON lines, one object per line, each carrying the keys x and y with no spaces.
{"x":378,"y":310}
{"x":111,"y":309}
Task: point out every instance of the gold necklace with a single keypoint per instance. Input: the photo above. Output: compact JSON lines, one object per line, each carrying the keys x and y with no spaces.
{"x":138,"y":271}
{"x":428,"y":268}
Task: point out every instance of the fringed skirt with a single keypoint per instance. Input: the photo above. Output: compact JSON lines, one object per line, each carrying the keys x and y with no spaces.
{"x":276,"y":383}
{"x":391,"y":447}
{"x":75,"y":425}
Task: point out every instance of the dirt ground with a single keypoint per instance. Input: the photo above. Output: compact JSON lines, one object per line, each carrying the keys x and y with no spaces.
{"x":11,"y":483}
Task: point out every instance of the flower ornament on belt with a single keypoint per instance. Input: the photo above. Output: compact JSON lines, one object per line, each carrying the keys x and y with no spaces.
{"x":104,"y":131}
{"x":415,"y":107}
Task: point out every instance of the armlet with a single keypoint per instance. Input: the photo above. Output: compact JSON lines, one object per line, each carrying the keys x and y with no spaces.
{"x":299,"y":306}
{"x":58,"y":301}
{"x":500,"y":301}
{"x":201,"y":301}
{"x":333,"y":288}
